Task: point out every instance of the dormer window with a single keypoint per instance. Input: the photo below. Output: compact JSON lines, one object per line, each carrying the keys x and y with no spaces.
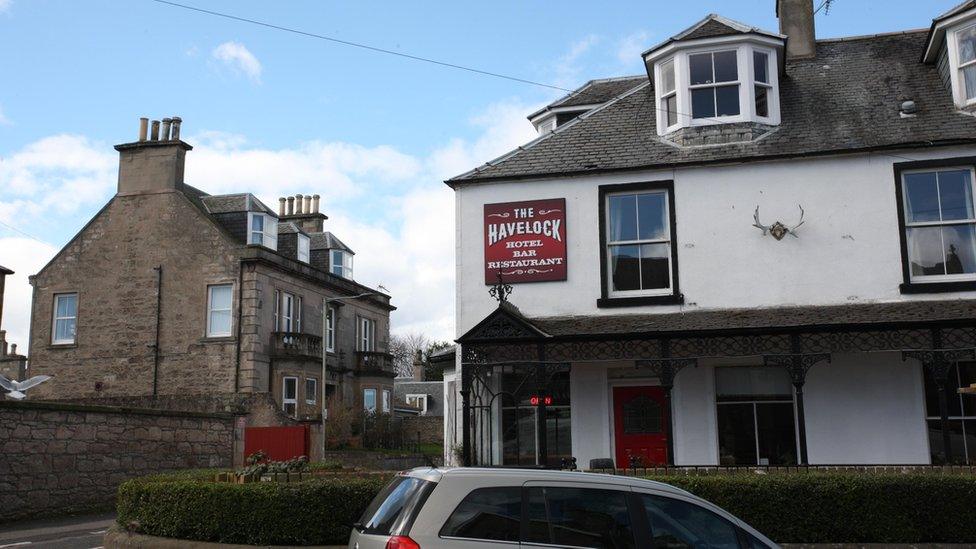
{"x":669,"y":94}
{"x":262,"y":230}
{"x":967,"y":61}
{"x":341,"y":264}
{"x":303,"y":248}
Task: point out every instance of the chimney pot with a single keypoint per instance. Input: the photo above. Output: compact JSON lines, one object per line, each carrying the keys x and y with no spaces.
{"x":176,"y":128}
{"x":143,"y":128}
{"x":298,"y":203}
{"x":308,"y":203}
{"x":166,"y":124}
{"x":13,"y":348}
{"x":281,"y":206}
{"x":291,"y":205}
{"x":796,"y":22}
{"x":154,"y":133}
{"x":315,"y":203}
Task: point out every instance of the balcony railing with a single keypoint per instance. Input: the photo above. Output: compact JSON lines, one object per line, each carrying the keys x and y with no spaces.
{"x":292,"y":344}
{"x":374,"y":362}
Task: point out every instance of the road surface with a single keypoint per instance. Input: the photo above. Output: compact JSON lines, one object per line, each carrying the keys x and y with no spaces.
{"x":77,"y":532}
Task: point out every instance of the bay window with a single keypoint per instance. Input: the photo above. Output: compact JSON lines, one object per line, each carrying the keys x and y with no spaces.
{"x":938,"y":224}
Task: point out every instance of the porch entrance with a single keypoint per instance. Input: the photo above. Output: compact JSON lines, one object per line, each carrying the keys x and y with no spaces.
{"x":640,"y":426}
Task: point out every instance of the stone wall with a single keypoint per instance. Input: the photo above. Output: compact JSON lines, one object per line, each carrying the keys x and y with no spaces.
{"x":428,"y":429}
{"x":59,"y":458}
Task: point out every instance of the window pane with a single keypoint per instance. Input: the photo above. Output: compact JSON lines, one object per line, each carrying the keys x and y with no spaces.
{"x":932,"y":394}
{"x":921,"y":197}
{"x":291,"y":388}
{"x":380,"y":518}
{"x":589,"y":518}
{"x":219,"y":323}
{"x":736,"y":435}
{"x":762,"y":101}
{"x":969,"y":75}
{"x":955,"y":195}
{"x":537,"y":530}
{"x":760,"y":63}
{"x":925,"y":251}
{"x":671,"y":104}
{"x":623,"y":217}
{"x":652,"y":216}
{"x":257,"y":222}
{"x":64,"y":330}
{"x":726,"y":69}
{"x":727,"y":100}
{"x":967,"y":44}
{"x":955,"y":439}
{"x":775,"y":429}
{"x":310,"y":392}
{"x":655,"y":273}
{"x":701,"y":68}
{"x":667,"y":76}
{"x":220,"y":297}
{"x":960,"y":249}
{"x":679,"y":524}
{"x":67,"y":305}
{"x":753,"y":383}
{"x":559,"y":440}
{"x":703,"y":103}
{"x":369,"y":399}
{"x":625,"y":267}
{"x":487,"y":513}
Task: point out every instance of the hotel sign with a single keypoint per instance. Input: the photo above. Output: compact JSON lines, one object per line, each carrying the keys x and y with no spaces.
{"x":525,"y":241}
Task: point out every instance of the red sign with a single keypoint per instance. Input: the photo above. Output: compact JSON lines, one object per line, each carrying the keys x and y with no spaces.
{"x":537,"y":400}
{"x":525,"y":241}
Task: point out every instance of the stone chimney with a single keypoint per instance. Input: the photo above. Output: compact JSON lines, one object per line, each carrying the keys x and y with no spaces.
{"x":796,"y":22}
{"x":153,"y":164}
{"x":303,"y":209}
{"x":418,"y":366}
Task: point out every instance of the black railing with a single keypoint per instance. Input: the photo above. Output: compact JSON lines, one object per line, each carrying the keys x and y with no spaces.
{"x":293,"y":344}
{"x":374,"y":362}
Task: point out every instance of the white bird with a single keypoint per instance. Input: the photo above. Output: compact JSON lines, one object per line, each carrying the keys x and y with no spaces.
{"x":16,"y":388}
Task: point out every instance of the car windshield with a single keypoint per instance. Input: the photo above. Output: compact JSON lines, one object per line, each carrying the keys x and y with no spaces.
{"x":390,"y":508}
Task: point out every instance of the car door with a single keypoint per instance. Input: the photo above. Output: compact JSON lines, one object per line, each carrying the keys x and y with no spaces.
{"x":578,"y":514}
{"x":678,"y":522}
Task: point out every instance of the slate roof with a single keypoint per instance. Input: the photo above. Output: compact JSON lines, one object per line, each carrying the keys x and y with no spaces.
{"x":289,"y":227}
{"x":740,"y":319}
{"x":327,"y":241}
{"x":715,"y":25}
{"x":598,"y":91}
{"x":226,"y":203}
{"x":845,"y":99}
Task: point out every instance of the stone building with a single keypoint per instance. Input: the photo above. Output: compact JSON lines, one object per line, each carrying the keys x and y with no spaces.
{"x":12,"y":365}
{"x":169,"y":293}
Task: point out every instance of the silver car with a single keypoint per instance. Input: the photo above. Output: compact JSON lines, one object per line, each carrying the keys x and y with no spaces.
{"x":474,"y":508}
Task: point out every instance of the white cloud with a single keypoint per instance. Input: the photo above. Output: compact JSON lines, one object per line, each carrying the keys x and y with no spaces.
{"x":5,"y":5}
{"x":4,"y":121}
{"x":25,"y":257}
{"x":236,"y":56}
{"x":567,"y":68}
{"x":630,"y":47}
{"x":392,"y":208}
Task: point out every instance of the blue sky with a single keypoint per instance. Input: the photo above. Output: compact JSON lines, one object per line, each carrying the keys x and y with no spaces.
{"x":276,"y":113}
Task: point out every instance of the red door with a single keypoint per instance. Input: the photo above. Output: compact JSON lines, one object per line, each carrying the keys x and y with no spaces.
{"x":640,"y":425}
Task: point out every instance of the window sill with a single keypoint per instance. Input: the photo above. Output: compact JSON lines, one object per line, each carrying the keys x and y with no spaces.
{"x":63,"y":346}
{"x":610,"y":302}
{"x":937,"y":287}
{"x":218,"y":339}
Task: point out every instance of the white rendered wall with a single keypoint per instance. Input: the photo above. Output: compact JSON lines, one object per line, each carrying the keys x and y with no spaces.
{"x":848,"y":250}
{"x":866,"y":408}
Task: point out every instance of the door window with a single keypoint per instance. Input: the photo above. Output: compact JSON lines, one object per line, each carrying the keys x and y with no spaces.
{"x":579,"y":517}
{"x":677,"y":524}
{"x":488,"y":514}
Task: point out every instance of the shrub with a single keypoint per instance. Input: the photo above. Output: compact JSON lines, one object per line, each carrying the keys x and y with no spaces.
{"x":319,"y":511}
{"x":845,"y":508}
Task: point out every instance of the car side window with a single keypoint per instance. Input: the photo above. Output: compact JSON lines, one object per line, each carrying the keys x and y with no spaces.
{"x":579,"y":517}
{"x":677,"y":524}
{"x":487,"y":513}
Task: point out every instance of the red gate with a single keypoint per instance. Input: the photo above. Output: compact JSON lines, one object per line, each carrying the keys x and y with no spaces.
{"x":279,"y":443}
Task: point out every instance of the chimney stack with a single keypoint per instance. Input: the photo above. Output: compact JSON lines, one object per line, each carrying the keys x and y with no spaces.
{"x":152,"y":166}
{"x":796,"y":22}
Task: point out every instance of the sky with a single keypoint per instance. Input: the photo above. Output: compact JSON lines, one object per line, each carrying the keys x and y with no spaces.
{"x":275,"y":113}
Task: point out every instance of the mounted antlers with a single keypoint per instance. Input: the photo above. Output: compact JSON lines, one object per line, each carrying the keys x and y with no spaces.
{"x":778,"y":229}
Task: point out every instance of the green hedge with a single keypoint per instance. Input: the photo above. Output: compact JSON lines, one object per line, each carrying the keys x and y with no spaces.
{"x":845,"y":508}
{"x":314,"y":512}
{"x":798,"y":508}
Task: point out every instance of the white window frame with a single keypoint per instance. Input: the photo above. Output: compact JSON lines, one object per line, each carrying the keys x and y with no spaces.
{"x":268,"y":231}
{"x":366,"y":334}
{"x":610,"y":243}
{"x":344,"y":267}
{"x":929,"y":279}
{"x":298,"y":314}
{"x":55,"y":318}
{"x":285,"y":401}
{"x":957,"y":77}
{"x":746,"y":81}
{"x":304,"y":244}
{"x":666,"y":94}
{"x":313,"y":393}
{"x":366,"y":392}
{"x":715,"y":85}
{"x":419,"y":399}
{"x":211,"y":310}
{"x":386,"y":401}
{"x":330,"y":329}
{"x":286,"y":313}
{"x":757,"y":83}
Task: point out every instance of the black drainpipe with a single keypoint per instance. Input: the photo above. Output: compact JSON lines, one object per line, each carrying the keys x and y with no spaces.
{"x":159,"y":301}
{"x":237,"y":358}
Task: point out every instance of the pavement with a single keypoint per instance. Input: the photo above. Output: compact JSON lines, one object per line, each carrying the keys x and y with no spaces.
{"x":73,"y":532}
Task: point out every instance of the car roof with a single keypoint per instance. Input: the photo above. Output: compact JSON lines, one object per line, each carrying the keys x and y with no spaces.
{"x":508,"y":475}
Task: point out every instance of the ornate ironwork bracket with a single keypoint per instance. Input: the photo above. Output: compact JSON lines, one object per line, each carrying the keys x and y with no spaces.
{"x":939,"y":361}
{"x":796,"y":364}
{"x":499,"y":290}
{"x":665,"y":369}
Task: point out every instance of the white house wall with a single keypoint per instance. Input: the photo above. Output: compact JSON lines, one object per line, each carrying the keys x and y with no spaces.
{"x":848,"y":250}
